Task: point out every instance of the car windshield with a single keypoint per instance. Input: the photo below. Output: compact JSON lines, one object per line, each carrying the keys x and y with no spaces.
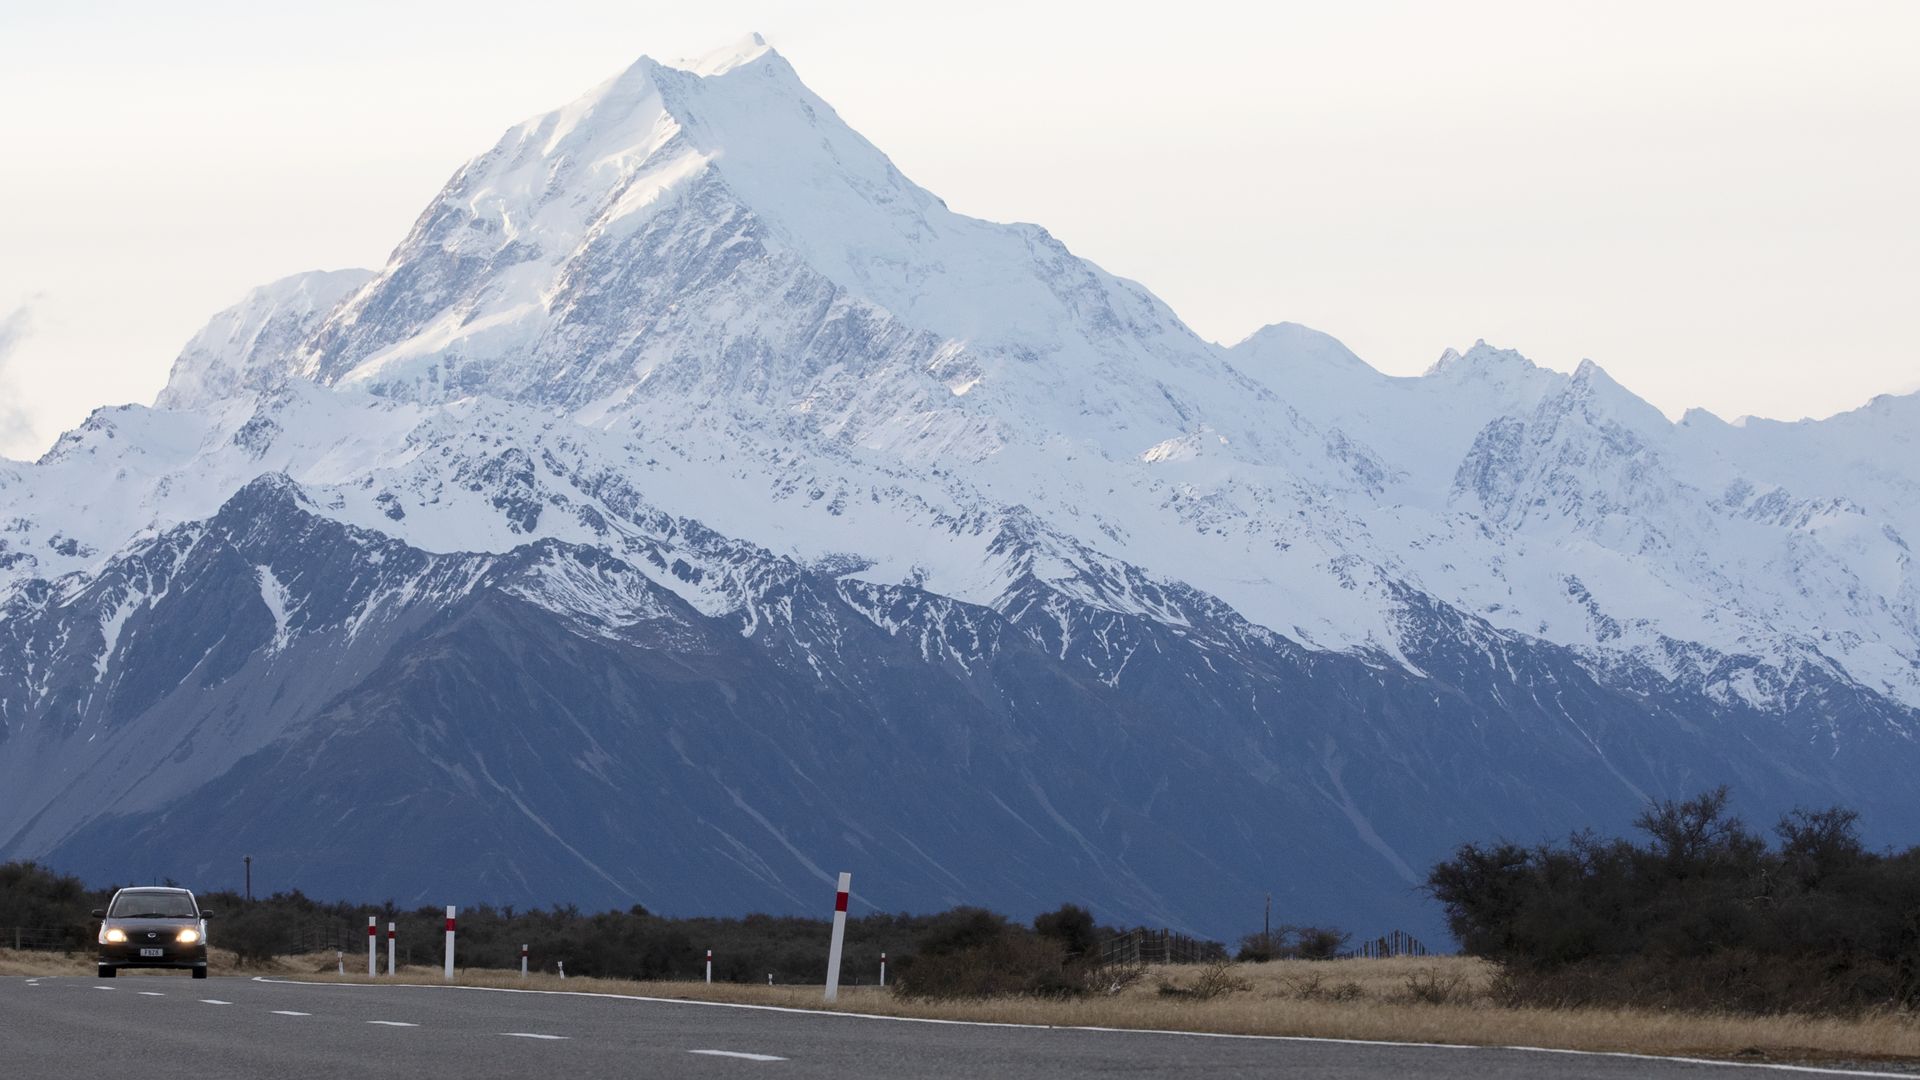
{"x":153,"y":905}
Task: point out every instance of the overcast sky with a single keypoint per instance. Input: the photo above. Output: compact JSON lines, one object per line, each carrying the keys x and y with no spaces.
{"x":1715,"y":201}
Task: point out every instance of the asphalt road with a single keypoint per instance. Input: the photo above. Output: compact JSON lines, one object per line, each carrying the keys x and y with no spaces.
{"x":156,"y":1028}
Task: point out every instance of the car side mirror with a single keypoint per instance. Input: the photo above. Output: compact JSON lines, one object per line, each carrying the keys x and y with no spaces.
{"x":99,"y":913}
{"x":206,"y":915}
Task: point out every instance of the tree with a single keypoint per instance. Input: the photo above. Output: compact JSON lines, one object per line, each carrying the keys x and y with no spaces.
{"x":1072,"y":926}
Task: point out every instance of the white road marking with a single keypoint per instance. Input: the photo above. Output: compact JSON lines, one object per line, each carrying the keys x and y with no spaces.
{"x":289,"y":1012}
{"x":214,"y":1001}
{"x":392,"y":1023}
{"x":1816,"y":1070}
{"x":737,"y":1054}
{"x":151,"y":993}
{"x":106,"y":988}
{"x":531,"y":1035}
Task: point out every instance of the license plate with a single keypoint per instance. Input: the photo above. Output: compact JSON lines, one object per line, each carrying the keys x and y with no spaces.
{"x":153,"y":952}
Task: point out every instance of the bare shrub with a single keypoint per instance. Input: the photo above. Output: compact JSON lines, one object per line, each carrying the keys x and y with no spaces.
{"x":1112,"y":979}
{"x":1430,"y":986}
{"x":1213,"y":981}
{"x":1306,"y":987}
{"x":1347,"y":991}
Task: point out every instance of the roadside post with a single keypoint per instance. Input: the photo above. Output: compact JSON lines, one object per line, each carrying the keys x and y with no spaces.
{"x":523,"y":960}
{"x":390,"y":937}
{"x":839,"y":936}
{"x":339,"y":960}
{"x":709,"y":965}
{"x":373,"y":945}
{"x":449,"y":971}
{"x":883,"y":969}
{"x":563,"y":968}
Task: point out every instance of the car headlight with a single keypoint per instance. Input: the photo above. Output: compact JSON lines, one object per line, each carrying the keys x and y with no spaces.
{"x":116,"y":936}
{"x":188,"y":937}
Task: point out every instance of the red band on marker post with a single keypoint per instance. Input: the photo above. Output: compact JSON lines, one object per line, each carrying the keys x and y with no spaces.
{"x":840,"y":902}
{"x":449,"y":953}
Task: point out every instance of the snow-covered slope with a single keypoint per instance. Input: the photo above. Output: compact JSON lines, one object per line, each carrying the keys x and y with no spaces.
{"x":691,"y":353}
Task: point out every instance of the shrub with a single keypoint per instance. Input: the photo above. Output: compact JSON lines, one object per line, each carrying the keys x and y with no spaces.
{"x":1215,"y":979}
{"x":1293,"y":943}
{"x":1012,"y":963}
{"x":1703,"y":914}
{"x":1072,"y":927}
{"x":1431,"y":986}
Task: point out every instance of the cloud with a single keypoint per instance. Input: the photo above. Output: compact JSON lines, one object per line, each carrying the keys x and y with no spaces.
{"x":15,"y":424}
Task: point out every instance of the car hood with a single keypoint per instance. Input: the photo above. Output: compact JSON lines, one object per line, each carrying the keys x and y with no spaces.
{"x":159,"y":926}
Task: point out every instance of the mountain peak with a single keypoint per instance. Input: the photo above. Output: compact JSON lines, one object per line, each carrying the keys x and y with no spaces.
{"x":728,"y":57}
{"x":1289,"y":343}
{"x":243,"y":347}
{"x":1480,"y":360}
{"x":603,"y":251}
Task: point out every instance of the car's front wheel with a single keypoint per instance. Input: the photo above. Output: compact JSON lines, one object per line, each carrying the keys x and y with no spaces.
{"x":199,"y":973}
{"x":107,"y":971}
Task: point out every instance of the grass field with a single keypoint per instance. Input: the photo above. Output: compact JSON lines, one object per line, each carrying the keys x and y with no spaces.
{"x":1433,"y":999}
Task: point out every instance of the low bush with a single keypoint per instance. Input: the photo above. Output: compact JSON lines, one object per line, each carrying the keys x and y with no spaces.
{"x":1214,"y":980}
{"x":1431,"y":986}
{"x":1293,"y":943}
{"x":1704,"y":914}
{"x":972,"y":953}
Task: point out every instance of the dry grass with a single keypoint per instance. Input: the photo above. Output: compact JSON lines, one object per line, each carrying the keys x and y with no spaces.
{"x":33,"y":963}
{"x":1436,"y":999}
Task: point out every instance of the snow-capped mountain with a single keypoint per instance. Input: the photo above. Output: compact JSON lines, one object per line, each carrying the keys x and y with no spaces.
{"x":693,"y":506}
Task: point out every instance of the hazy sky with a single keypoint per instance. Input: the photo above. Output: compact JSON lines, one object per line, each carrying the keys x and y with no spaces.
{"x":1715,"y":201}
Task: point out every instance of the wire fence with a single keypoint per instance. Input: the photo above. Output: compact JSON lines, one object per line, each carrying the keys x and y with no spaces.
{"x":1143,"y":946}
{"x":1390,"y":944}
{"x":43,"y":938}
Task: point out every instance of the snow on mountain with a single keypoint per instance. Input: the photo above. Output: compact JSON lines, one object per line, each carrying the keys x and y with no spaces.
{"x":245,"y":347}
{"x":689,"y":352}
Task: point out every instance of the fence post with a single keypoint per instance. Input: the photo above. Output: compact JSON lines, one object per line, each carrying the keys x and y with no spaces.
{"x":839,"y":935}
{"x":449,"y":966}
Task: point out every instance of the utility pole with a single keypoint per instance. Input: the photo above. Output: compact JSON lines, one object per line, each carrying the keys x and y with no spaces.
{"x":248,"y":859}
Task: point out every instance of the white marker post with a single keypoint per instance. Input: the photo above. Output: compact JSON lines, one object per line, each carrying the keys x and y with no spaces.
{"x":449,"y":974}
{"x":839,"y":936}
{"x":883,"y":969}
{"x":563,"y":968}
{"x":709,"y":965}
{"x":373,"y":944}
{"x":340,"y":960}
{"x":523,"y":960}
{"x":390,"y":937}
